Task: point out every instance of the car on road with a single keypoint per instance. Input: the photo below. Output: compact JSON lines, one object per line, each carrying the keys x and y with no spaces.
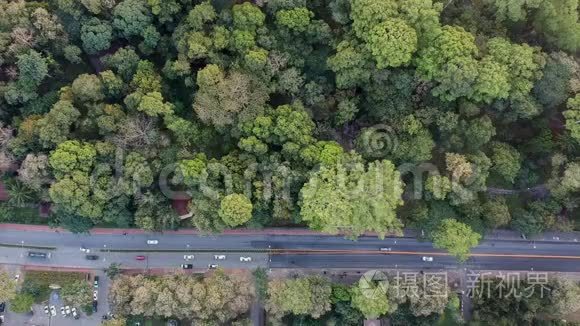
{"x":152,"y":242}
{"x":2,"y":307}
{"x":187,"y":266}
{"x":427,"y":258}
{"x":62,"y":311}
{"x":96,"y":282}
{"x":92,"y":257}
{"x":67,"y":309}
{"x":74,"y":313}
{"x":46,"y":310}
{"x":37,"y":254}
{"x":385,"y":249}
{"x":245,"y":258}
{"x":95,"y":295}
{"x":219,"y":257}
{"x":188,"y":257}
{"x":52,"y":311}
{"x":212,"y":266}
{"x":140,"y":258}
{"x":83,"y":249}
{"x":95,"y":304}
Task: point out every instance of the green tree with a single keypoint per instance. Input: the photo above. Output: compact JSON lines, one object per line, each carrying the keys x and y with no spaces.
{"x":564,"y":297}
{"x":54,"y":127}
{"x":201,"y":14}
{"x":455,"y":237}
{"x":295,"y":19}
{"x":572,"y":116}
{"x":7,"y":287}
{"x":301,"y":296}
{"x":506,"y":161}
{"x":370,"y":298}
{"x":364,"y":200}
{"x":77,"y":293}
{"x":131,"y":17}
{"x":87,"y":88}
{"x":235,"y":209}
{"x":124,"y":62}
{"x":22,"y":303}
{"x":392,"y":43}
{"x":247,"y":17}
{"x":152,"y":105}
{"x":96,"y":35}
{"x":497,"y":213}
{"x":72,"y":156}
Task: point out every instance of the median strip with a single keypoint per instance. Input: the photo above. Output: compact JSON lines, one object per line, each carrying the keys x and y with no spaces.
{"x":8,"y":245}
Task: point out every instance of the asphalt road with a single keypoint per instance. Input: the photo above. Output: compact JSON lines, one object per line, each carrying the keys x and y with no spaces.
{"x":282,"y":251}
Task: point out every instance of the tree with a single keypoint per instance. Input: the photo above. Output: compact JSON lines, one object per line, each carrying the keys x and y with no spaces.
{"x":392,"y":43}
{"x":235,"y":209}
{"x":131,"y":17}
{"x":124,"y":62}
{"x":72,"y":156}
{"x":370,"y":298}
{"x":96,"y":35}
{"x":22,"y":303}
{"x":295,"y":19}
{"x":506,"y":161}
{"x":223,"y":100}
{"x":152,"y":105}
{"x":113,"y":270}
{"x":247,"y":17}
{"x":301,"y":296}
{"x":117,"y":321}
{"x":54,"y":127}
{"x":353,"y":199}
{"x":204,"y":13}
{"x":7,"y":287}
{"x":564,"y":297}
{"x":497,"y":213}
{"x":572,"y":116}
{"x":32,"y":68}
{"x":455,"y":237}
{"x":34,"y":172}
{"x":351,"y":64}
{"x":88,"y":88}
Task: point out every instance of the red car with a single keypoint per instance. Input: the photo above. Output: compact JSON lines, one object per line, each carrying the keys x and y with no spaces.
{"x":140,"y":257}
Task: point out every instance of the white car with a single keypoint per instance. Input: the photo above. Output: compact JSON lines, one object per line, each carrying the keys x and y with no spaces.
{"x":74,"y":313}
{"x":245,"y":258}
{"x":83,"y":249}
{"x":67,"y":309}
{"x":95,"y":295}
{"x":46,"y":310}
{"x":219,"y":257}
{"x":52,"y":311}
{"x":152,"y":242}
{"x":386,"y":249}
{"x":62,"y":312}
{"x":212,"y":266}
{"x":16,"y":277}
{"x":425,"y":258}
{"x":188,"y":257}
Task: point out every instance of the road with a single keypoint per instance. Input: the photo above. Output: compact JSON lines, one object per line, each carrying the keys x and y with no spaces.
{"x":282,"y":251}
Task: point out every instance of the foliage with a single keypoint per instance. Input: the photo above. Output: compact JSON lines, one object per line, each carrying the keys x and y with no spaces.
{"x":455,"y":237}
{"x":77,"y":293}
{"x":301,"y":296}
{"x":22,"y":303}
{"x":235,"y":209}
{"x":7,"y":287}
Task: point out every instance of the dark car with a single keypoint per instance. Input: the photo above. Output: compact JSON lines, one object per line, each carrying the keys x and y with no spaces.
{"x":95,"y":303}
{"x":2,"y":307}
{"x":96,"y":282}
{"x":187,"y":266}
{"x":92,"y":257}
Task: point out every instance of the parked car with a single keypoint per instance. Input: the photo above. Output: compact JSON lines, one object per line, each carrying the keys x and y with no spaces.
{"x":186,"y":266}
{"x":212,"y":266}
{"x":96,"y":282}
{"x":245,"y":258}
{"x":152,"y":242}
{"x":16,"y":277}
{"x":95,"y":295}
{"x":2,"y":307}
{"x":67,"y":309}
{"x":39,"y":255}
{"x":52,"y":311}
{"x":140,"y":258}
{"x":188,"y":257}
{"x":46,"y":310}
{"x":62,"y":311}
{"x":425,"y":258}
{"x":95,"y":304}
{"x":74,"y":313}
{"x":92,"y":257}
{"x":219,"y":257}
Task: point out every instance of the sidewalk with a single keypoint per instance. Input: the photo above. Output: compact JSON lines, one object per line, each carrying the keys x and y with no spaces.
{"x":408,"y":233}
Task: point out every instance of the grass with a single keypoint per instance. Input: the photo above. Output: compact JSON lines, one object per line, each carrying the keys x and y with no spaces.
{"x":37,"y":283}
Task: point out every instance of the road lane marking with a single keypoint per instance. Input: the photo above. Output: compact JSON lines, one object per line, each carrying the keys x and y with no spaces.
{"x":375,"y":252}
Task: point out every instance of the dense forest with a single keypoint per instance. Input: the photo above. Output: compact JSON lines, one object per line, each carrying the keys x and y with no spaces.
{"x":345,"y":116}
